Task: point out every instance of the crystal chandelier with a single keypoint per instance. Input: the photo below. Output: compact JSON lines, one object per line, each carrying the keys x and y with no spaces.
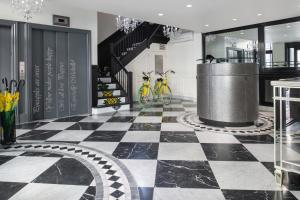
{"x":171,"y":31}
{"x":126,"y":24}
{"x":28,"y":7}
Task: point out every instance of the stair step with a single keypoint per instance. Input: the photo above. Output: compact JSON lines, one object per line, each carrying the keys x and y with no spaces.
{"x":114,"y":93}
{"x":105,"y":79}
{"x":111,"y":86}
{"x":107,"y":109}
{"x":101,"y":102}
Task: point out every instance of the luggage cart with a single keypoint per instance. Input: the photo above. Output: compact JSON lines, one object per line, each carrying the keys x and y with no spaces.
{"x":286,"y":127}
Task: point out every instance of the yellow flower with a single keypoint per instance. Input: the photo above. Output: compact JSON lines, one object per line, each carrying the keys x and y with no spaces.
{"x":16,"y":98}
{"x":8,"y":102}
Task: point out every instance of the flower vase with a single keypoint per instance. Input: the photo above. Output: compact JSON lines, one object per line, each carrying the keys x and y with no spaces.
{"x":8,"y":121}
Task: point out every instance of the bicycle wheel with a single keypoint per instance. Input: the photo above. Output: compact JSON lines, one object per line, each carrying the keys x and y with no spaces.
{"x":143,"y":96}
{"x":166,"y":95}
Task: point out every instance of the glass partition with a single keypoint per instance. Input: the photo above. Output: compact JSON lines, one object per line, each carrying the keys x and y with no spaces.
{"x":282,"y":45}
{"x":235,"y":47}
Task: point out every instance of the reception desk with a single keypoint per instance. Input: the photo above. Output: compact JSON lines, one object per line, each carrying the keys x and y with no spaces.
{"x":227,"y":93}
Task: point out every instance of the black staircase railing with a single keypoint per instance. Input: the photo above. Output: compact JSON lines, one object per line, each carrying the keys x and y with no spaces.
{"x":120,"y":49}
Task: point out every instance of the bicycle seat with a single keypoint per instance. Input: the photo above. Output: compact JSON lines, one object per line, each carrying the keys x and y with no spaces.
{"x":145,"y":78}
{"x":159,"y":79}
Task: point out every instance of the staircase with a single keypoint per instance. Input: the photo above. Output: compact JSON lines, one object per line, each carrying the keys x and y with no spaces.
{"x":111,"y":82}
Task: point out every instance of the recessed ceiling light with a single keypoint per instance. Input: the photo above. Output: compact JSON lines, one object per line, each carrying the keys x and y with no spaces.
{"x":160,"y":14}
{"x":259,"y":14}
{"x":189,"y":5}
{"x":267,"y":29}
{"x":207,"y":25}
{"x":242,"y":33}
{"x":234,"y":19}
{"x":288,"y":26}
{"x":285,"y":35}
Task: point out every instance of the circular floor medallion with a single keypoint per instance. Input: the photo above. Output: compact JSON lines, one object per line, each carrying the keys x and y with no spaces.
{"x":264,"y":125}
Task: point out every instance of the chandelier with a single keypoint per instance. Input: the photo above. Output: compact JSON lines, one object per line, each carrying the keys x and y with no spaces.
{"x":171,"y":31}
{"x":28,"y":7}
{"x":126,"y":24}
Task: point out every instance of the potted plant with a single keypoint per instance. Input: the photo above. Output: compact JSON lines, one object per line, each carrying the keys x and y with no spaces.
{"x":9,"y":99}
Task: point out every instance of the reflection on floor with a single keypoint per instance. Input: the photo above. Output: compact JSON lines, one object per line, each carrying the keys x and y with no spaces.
{"x":167,"y":159}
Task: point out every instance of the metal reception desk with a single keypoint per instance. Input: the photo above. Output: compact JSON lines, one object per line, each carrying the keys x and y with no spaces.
{"x":227,"y":93}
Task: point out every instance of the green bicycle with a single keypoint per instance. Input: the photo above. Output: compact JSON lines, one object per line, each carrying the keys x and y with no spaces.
{"x":162,"y":90}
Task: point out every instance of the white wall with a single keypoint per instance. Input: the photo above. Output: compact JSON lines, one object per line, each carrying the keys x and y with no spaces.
{"x":106,"y":25}
{"x":180,"y":57}
{"x":82,"y":19}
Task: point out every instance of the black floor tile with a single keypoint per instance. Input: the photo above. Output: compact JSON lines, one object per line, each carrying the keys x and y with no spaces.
{"x":178,"y":136}
{"x":227,"y":152}
{"x":146,"y":193}
{"x":174,"y":109}
{"x":71,"y":119}
{"x":169,"y":120}
{"x":145,"y":127}
{"x":89,"y":194}
{"x":257,"y":195}
{"x":124,"y":119}
{"x":85,"y":126}
{"x":37,"y":135}
{"x":8,"y":189}
{"x":148,"y":114}
{"x":269,"y":166}
{"x":189,"y":105}
{"x":41,"y":154}
{"x":66,"y":171}
{"x":136,"y":151}
{"x":291,"y":181}
{"x":106,"y":136}
{"x":185,"y":174}
{"x":31,"y":126}
{"x":256,"y":139}
{"x":4,"y":159}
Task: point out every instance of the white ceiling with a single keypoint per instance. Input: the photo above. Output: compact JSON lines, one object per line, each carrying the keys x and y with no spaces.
{"x":217,"y":13}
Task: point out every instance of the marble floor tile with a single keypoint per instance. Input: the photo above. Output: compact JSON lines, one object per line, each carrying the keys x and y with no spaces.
{"x":173,"y":105}
{"x":187,"y":194}
{"x":63,"y":172}
{"x":185,"y":174}
{"x":89,"y":194}
{"x":20,"y":132}
{"x":107,"y":147}
{"x":145,"y":127}
{"x":4,"y":159}
{"x":25,"y":169}
{"x":136,"y":151}
{"x":210,"y":137}
{"x":296,"y":194}
{"x":41,"y":154}
{"x":227,"y":152}
{"x":172,"y":114}
{"x":178,"y":136}
{"x":175,"y":127}
{"x":152,"y":109}
{"x":174,"y":109}
{"x":141,"y":136}
{"x":38,"y":135}
{"x":115,"y":126}
{"x":295,"y":147}
{"x":106,"y":136}
{"x":125,"y":119}
{"x":50,"y":192}
{"x":70,"y":135}
{"x":56,"y":126}
{"x":96,"y":119}
{"x":169,"y":120}
{"x":263,"y":139}
{"x":269,"y":166}
{"x":71,"y":119}
{"x":243,"y":176}
{"x":146,"y":193}
{"x":127,"y":113}
{"x":8,"y":189}
{"x":256,"y":195}
{"x":11,"y":153}
{"x":148,"y":119}
{"x":143,"y":171}
{"x":85,"y":126}
{"x":32,"y":125}
{"x":180,"y":151}
{"x":157,"y":114}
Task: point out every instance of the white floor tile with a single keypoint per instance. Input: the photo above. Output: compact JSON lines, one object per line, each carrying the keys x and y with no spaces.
{"x":127,"y":113}
{"x":187,"y":194}
{"x":172,"y":114}
{"x":21,"y":132}
{"x":206,"y":137}
{"x":25,"y":169}
{"x":114,"y":126}
{"x":141,"y":136}
{"x":56,"y":126}
{"x":146,"y":119}
{"x":107,"y":147}
{"x":71,"y":135}
{"x":49,"y":192}
{"x":11,"y":153}
{"x":180,"y":151}
{"x":296,"y":194}
{"x":153,"y":110}
{"x":243,"y":176}
{"x":143,"y":171}
{"x":175,"y":127}
{"x":96,"y":118}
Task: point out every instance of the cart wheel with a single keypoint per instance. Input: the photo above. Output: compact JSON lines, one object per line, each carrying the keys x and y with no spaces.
{"x":278,"y":176}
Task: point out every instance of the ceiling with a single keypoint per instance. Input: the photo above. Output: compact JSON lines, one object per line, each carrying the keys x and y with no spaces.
{"x":218,"y":14}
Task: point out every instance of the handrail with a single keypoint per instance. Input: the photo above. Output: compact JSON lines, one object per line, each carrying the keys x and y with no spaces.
{"x":120,"y":63}
{"x":153,"y":33}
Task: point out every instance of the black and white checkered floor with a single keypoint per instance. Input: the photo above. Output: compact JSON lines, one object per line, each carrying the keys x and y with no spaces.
{"x":168,"y":160}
